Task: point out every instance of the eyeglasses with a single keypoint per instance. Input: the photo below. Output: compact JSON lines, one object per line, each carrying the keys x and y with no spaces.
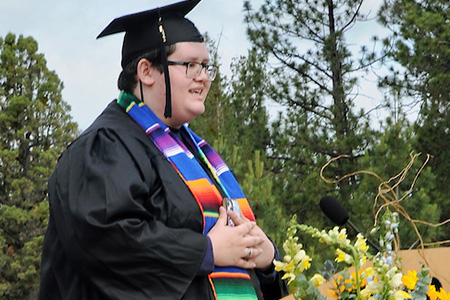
{"x":193,"y":69}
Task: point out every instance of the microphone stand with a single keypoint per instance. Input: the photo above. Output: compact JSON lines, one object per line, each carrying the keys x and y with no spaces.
{"x":371,"y":244}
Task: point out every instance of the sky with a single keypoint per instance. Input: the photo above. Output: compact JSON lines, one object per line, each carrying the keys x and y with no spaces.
{"x":66,"y":32}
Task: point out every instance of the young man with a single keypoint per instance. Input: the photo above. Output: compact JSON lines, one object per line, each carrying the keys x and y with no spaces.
{"x":136,"y":202}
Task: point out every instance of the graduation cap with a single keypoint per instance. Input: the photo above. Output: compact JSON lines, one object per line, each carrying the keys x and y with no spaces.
{"x":155,"y":29}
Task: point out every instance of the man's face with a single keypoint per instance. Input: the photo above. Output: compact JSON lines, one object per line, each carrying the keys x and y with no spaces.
{"x":188,"y":94}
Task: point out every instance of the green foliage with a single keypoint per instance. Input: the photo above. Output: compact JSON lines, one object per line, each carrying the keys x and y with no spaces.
{"x":313,"y":76}
{"x":310,"y":75}
{"x":422,"y":32}
{"x":422,"y":45}
{"x":34,"y":129}
{"x":398,"y":178}
{"x":247,"y":121}
{"x":258,"y":184}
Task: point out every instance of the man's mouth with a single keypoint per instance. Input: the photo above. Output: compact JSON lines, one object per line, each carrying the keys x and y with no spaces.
{"x":197,"y":91}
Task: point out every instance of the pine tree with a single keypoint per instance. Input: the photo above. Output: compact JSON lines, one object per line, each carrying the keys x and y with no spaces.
{"x":313,"y":76}
{"x":247,"y":122}
{"x":35,"y":126}
{"x":422,"y":50}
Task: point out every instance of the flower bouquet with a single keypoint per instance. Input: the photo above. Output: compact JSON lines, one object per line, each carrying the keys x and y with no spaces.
{"x":354,"y":273}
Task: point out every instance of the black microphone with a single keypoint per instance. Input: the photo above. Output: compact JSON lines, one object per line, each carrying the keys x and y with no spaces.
{"x":338,"y":214}
{"x":334,"y":210}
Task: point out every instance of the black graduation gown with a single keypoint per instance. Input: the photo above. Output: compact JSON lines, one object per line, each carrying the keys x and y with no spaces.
{"x":123,"y":225}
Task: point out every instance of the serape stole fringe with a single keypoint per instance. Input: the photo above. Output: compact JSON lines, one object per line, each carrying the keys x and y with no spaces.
{"x":227,"y":282}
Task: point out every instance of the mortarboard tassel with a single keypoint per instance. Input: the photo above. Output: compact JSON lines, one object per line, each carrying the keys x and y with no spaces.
{"x":168,"y":107}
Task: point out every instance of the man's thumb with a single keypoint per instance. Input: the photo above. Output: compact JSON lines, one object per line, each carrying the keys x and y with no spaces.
{"x":223,"y":218}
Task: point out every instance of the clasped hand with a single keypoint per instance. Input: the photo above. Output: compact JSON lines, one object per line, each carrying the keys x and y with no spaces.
{"x":231,"y":244}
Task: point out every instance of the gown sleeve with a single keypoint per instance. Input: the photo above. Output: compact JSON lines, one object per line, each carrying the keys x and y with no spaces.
{"x":112,"y":207}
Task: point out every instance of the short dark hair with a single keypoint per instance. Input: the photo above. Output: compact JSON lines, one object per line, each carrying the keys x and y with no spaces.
{"x":127,"y":79}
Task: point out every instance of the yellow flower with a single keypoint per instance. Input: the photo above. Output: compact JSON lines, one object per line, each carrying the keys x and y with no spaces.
{"x":289,"y":267}
{"x":396,"y":280}
{"x":409,"y":280}
{"x":338,"y":287}
{"x":368,"y":272}
{"x":299,"y":256}
{"x":339,"y":235}
{"x":325,"y":238}
{"x":361,"y":276}
{"x":442,"y":295}
{"x":343,"y":256}
{"x":362,"y":260}
{"x":317,"y":280}
{"x":372,"y":288}
{"x":400,"y":295}
{"x":279,"y":266}
{"x":432,"y":293}
{"x":333,"y":294}
{"x":283,"y":266}
{"x":291,"y":277}
{"x":305,"y":263}
{"x":361,"y":243}
{"x":340,"y":255}
{"x":365,"y":293}
{"x":342,"y":234}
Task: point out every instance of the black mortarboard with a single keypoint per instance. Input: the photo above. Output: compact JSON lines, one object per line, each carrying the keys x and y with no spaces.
{"x":155,"y":29}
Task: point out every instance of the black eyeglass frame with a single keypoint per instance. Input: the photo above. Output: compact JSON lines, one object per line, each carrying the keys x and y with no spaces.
{"x":208,"y":68}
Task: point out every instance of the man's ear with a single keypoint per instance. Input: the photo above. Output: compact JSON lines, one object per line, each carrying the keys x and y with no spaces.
{"x":145,"y":72}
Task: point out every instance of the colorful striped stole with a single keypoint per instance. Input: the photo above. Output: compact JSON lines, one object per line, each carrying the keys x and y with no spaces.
{"x":227,"y":282}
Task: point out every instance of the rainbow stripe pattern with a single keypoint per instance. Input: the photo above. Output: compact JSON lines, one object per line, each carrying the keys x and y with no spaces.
{"x":227,"y":282}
